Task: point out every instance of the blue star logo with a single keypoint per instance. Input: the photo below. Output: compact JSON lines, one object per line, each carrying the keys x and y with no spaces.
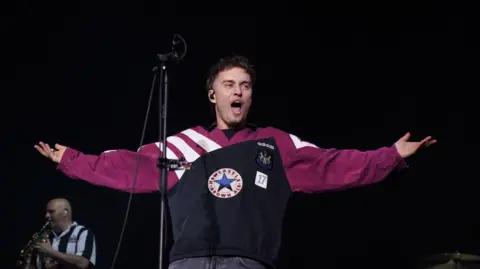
{"x":225,"y":182}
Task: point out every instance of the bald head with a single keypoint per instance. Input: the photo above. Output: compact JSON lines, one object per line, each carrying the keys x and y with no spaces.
{"x":59,"y":213}
{"x":61,"y":204}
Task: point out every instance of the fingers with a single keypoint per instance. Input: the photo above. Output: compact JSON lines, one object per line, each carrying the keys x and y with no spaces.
{"x":59,"y":147}
{"x":405,"y":137}
{"x":425,"y":140}
{"x":44,"y":149}
{"x":47,"y":148}
{"x":429,"y":143}
{"x":39,"y":149}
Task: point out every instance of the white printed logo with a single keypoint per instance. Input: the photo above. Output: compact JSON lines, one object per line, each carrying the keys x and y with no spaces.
{"x":261,"y":180}
{"x":265,"y":145}
{"x":225,"y":183}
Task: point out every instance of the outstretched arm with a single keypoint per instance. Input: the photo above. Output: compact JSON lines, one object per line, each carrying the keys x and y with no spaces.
{"x":115,"y":168}
{"x":313,"y":169}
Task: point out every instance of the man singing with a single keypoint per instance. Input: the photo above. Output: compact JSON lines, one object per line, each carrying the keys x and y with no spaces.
{"x":70,"y":245}
{"x":227,"y":208}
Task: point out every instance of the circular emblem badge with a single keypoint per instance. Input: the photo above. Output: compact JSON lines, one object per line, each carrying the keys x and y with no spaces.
{"x":225,"y":183}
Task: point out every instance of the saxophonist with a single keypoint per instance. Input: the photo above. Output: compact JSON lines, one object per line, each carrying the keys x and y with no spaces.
{"x":70,"y":246}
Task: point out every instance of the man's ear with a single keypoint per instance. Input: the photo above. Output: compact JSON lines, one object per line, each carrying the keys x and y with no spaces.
{"x":211,"y":96}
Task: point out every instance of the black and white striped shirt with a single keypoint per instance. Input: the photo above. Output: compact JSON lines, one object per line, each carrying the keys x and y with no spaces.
{"x":76,"y":240}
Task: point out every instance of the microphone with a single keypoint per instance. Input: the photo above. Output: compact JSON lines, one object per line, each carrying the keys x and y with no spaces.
{"x":175,"y":55}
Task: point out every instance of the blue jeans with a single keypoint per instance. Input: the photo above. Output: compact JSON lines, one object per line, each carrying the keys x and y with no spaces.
{"x":216,"y":263}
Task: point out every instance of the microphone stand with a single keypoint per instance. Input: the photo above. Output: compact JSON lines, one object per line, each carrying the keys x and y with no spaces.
{"x":165,"y":164}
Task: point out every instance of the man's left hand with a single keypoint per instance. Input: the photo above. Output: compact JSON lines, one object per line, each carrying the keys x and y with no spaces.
{"x":406,"y":148}
{"x":44,"y":246}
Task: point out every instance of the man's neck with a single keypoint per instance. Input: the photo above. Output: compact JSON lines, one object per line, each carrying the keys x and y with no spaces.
{"x":64,"y":226}
{"x":223,"y":126}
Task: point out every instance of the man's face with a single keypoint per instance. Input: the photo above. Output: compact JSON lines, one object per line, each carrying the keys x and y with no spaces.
{"x":233,"y":97}
{"x":55,"y":214}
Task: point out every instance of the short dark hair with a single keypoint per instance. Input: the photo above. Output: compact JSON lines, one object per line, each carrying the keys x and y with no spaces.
{"x":230,"y":62}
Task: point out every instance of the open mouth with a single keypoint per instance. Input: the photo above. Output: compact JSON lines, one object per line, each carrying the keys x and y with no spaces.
{"x":236,"y":107}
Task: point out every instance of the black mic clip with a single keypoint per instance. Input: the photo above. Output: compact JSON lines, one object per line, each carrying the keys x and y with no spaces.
{"x":174,"y":55}
{"x":172,"y":164}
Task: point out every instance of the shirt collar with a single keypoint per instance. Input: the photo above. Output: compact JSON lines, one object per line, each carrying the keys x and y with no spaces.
{"x":66,"y":230}
{"x":248,"y":125}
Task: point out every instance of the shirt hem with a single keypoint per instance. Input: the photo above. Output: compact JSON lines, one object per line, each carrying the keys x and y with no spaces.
{"x":225,"y":252}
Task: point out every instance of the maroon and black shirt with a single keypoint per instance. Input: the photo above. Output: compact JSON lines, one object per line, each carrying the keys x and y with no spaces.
{"x":231,"y":200}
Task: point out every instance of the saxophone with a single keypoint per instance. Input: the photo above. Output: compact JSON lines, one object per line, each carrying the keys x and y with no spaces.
{"x":26,"y":253}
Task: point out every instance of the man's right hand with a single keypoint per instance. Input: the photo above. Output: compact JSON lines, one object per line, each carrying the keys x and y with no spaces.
{"x":53,"y":154}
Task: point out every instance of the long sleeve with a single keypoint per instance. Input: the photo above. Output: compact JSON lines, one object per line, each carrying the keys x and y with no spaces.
{"x":115,"y":168}
{"x":313,"y":169}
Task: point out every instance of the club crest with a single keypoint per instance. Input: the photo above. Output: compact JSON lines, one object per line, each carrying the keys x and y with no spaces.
{"x":225,"y":183}
{"x":264,"y":159}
